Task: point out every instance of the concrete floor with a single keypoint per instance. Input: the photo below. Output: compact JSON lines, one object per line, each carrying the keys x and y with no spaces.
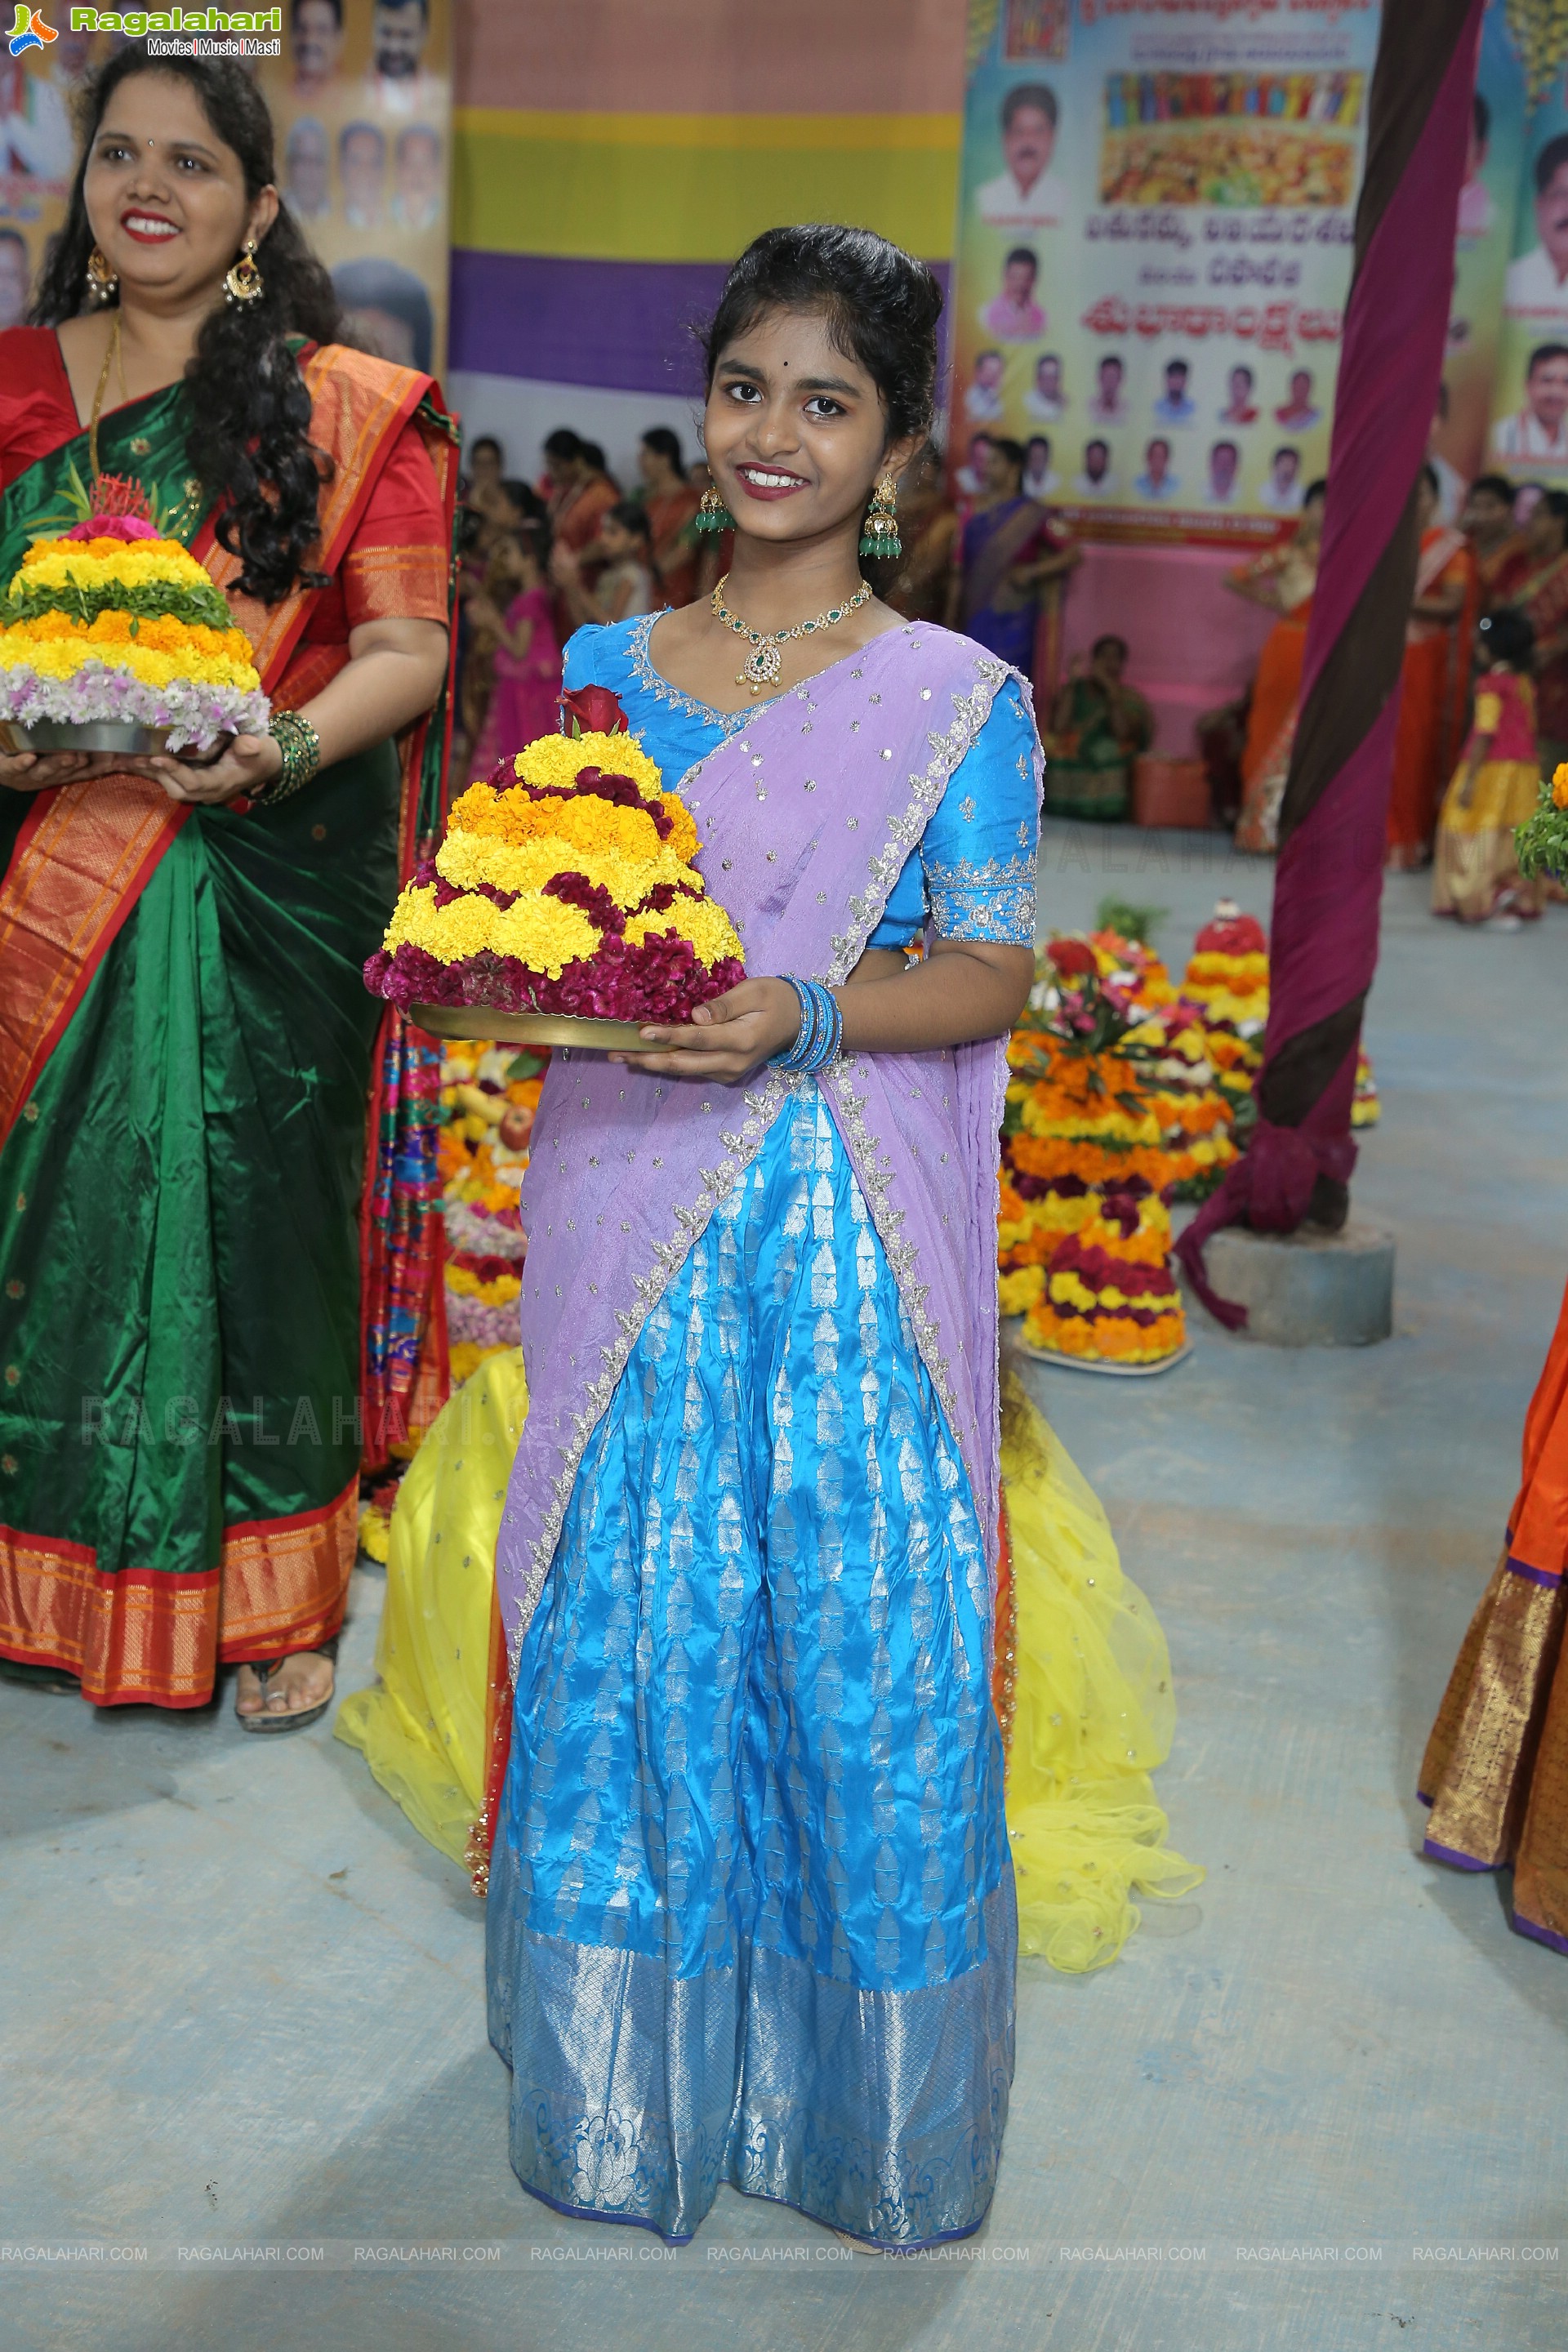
{"x":243,"y":2001}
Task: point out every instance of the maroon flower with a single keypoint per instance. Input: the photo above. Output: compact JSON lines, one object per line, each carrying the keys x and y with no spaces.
{"x":593,"y":709}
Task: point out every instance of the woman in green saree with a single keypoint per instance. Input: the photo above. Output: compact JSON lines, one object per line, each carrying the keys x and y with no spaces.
{"x":187,"y":1348}
{"x":1099,"y":726}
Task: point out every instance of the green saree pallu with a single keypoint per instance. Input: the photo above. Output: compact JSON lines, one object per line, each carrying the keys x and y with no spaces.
{"x":213,"y":1304}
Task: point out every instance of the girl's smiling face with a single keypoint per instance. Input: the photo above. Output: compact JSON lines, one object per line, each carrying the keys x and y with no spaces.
{"x":165,"y":195}
{"x":795,"y":429}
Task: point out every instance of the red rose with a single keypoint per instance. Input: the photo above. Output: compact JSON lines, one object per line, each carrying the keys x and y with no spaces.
{"x":593,"y":709}
{"x":1073,"y":956}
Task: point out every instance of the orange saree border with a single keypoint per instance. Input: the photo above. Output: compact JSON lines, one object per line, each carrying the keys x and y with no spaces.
{"x":147,"y":1638}
{"x":85,"y":852}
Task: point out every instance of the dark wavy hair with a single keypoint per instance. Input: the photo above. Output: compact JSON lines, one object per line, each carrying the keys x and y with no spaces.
{"x":881,"y":304}
{"x":249,"y":412}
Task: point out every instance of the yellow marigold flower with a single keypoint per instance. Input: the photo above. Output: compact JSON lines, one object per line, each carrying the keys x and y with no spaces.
{"x":1018,"y":1292}
{"x":579,"y":824}
{"x":545,"y":934}
{"x":1559,"y":786}
{"x":555,"y":760}
{"x":111,"y":562}
{"x":59,"y":653}
{"x":466,"y":859}
{"x":499,"y":1291}
{"x":711,"y":934}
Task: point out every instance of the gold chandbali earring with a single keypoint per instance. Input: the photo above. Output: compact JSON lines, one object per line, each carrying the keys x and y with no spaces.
{"x":102,"y":285}
{"x":243,"y":283}
{"x":880,"y":536}
{"x":713,"y":514}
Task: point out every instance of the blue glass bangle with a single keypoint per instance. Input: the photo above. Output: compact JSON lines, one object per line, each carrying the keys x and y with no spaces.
{"x":821,"y":1032}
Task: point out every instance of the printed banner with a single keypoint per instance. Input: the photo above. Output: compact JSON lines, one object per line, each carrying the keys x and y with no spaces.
{"x":362,"y":103}
{"x":361,"y":99}
{"x":1489,"y":203}
{"x":1157,"y":215}
{"x":1530,"y":387}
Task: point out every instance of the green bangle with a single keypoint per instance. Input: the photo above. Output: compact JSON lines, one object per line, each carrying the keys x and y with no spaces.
{"x":300,"y":746}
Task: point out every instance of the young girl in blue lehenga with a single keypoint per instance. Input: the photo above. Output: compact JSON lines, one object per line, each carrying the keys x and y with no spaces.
{"x":750,"y":1911}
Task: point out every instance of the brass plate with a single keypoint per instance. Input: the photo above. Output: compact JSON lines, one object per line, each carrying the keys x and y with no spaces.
{"x":1104,"y":1365}
{"x":524,"y":1028}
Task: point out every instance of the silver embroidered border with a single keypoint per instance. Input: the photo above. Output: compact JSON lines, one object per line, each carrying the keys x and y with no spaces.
{"x":732,"y":722}
{"x":972,"y":711}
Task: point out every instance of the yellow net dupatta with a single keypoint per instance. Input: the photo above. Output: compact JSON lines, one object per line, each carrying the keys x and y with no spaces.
{"x":1093,"y":1708}
{"x":1094,"y":1713}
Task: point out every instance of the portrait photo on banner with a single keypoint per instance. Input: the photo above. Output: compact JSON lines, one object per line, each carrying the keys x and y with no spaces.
{"x":1153,"y":254}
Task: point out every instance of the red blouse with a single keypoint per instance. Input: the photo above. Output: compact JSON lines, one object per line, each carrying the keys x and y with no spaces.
{"x":396,"y":565}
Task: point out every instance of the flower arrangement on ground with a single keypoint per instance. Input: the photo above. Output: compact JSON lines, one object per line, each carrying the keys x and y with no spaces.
{"x":1226,"y":979}
{"x":114,"y":622}
{"x":1542,"y":841}
{"x":1111,"y":1099}
{"x":566,"y":885}
{"x":1108,"y":1292}
{"x":488,"y":1097}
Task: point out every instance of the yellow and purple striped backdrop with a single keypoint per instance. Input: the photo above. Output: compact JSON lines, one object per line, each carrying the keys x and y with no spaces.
{"x":610,"y":157}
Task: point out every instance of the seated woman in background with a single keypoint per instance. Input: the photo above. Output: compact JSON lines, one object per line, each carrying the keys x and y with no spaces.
{"x":1282,"y":581}
{"x":1435,"y":679}
{"x":1098,"y":725}
{"x":1012,"y":552}
{"x":527,"y":657}
{"x":669,"y":501}
{"x":1495,"y":787}
{"x":624,"y":586}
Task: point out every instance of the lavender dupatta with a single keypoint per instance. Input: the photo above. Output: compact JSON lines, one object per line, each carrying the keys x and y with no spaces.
{"x":809,"y":813}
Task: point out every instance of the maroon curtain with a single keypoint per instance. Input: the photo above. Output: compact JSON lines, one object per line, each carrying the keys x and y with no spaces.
{"x":1329,"y":882}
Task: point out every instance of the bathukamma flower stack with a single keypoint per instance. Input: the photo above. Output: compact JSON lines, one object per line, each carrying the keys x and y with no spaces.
{"x":566,"y":885}
{"x":112,"y":622}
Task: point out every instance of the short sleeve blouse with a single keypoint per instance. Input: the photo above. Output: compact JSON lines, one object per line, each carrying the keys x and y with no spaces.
{"x":973,"y":874}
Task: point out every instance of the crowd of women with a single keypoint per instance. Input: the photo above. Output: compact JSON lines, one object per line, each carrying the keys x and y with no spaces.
{"x":1483,"y":709}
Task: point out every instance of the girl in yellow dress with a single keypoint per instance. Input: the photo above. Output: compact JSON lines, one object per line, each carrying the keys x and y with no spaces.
{"x":1476,"y":876}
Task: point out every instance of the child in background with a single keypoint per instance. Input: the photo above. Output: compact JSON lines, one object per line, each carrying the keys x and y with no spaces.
{"x":527,"y":658}
{"x":625,"y":585}
{"x":1475,"y":877}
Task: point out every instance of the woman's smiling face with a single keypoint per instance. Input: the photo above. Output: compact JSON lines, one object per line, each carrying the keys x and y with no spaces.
{"x":795,"y":429}
{"x":165,"y":195}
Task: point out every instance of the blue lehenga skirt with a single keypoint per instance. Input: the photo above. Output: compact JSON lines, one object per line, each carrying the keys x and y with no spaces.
{"x":750,"y":1913}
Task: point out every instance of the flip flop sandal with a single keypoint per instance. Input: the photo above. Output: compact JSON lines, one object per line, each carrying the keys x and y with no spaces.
{"x":53,"y":1680}
{"x":264,"y":1669}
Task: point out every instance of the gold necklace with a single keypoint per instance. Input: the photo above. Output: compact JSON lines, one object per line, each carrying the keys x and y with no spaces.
{"x":111,"y":354}
{"x":764,"y":661}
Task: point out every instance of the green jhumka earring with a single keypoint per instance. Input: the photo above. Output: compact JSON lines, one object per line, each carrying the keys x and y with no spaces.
{"x":713,"y":514}
{"x":880,"y":536}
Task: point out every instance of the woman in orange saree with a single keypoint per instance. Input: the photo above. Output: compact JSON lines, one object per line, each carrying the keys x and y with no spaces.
{"x":1539,"y":586}
{"x":1281,"y":581}
{"x":670,"y":503}
{"x":1495,"y":1773}
{"x":1435,"y":680}
{"x":187,"y":1045}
